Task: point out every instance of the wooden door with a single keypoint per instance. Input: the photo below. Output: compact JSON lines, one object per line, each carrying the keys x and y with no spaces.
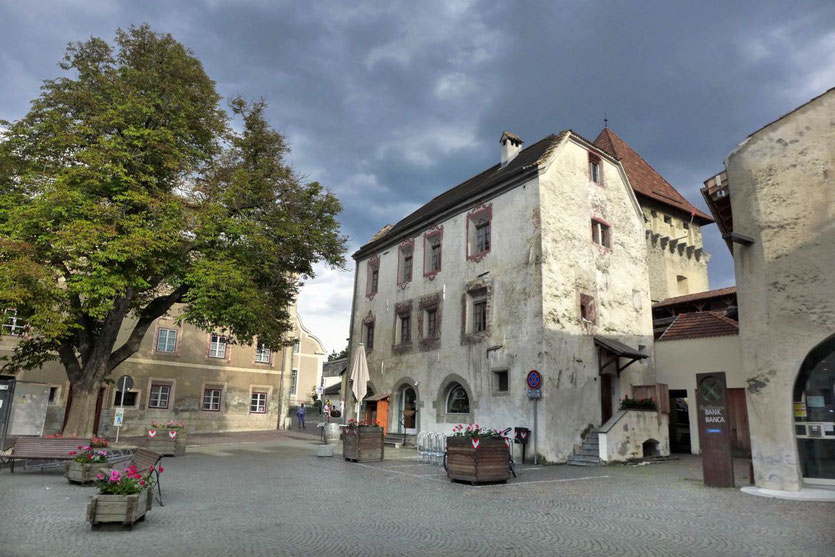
{"x":605,"y":398}
{"x":738,"y":413}
{"x":383,"y":414}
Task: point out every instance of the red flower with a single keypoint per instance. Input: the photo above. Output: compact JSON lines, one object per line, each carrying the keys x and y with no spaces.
{"x":161,"y":469}
{"x":73,"y":453}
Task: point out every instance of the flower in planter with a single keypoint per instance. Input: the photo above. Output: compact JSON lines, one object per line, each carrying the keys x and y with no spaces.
{"x":170,"y":424}
{"x":627,"y":403}
{"x":99,"y":442}
{"x":128,"y":483}
{"x":88,"y":455}
{"x":474,"y":431}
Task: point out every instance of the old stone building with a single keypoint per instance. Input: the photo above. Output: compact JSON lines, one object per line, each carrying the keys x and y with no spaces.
{"x":540,"y":262}
{"x":775,"y":207}
{"x":184,"y":374}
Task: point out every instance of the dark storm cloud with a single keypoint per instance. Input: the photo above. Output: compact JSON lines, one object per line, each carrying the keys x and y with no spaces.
{"x":390,"y":103}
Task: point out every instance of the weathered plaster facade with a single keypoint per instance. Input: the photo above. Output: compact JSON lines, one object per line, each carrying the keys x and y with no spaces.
{"x":189,"y":371}
{"x":678,"y":362}
{"x":782,"y":197}
{"x":308,"y":356}
{"x":541,"y":262}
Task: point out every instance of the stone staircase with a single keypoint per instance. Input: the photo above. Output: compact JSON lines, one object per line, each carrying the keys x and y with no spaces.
{"x":396,"y":440}
{"x":589,"y":452}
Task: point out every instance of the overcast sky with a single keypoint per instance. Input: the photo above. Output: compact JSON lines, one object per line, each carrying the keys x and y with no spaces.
{"x":390,"y":103}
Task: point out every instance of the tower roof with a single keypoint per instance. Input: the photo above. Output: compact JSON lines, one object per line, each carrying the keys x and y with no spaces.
{"x":645,"y":180}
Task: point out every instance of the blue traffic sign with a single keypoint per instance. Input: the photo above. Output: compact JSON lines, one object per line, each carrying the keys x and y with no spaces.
{"x":534,"y":379}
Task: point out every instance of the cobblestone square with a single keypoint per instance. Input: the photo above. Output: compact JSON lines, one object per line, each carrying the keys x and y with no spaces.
{"x":271,"y":495}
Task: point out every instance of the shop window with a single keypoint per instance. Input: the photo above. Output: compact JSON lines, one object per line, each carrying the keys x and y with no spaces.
{"x":601,"y":233}
{"x":160,"y":396}
{"x":458,"y":402}
{"x":166,"y":340}
{"x":258,"y":402}
{"x":217,"y":346}
{"x":211,"y":400}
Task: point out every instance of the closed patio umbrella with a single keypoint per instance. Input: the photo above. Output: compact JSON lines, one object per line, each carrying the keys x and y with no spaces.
{"x":359,"y":377}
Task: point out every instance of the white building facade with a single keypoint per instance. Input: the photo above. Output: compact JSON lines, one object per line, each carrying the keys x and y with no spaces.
{"x":538,"y":263}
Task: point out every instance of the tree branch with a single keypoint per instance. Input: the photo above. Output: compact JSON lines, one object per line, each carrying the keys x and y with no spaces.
{"x":156,"y":308}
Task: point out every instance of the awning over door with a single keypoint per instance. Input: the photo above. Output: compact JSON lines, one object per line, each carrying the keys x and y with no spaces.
{"x":372,"y":398}
{"x":617,"y":350}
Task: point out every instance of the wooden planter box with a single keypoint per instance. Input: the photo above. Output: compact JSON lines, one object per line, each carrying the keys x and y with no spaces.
{"x":487,"y":463}
{"x":82,"y":472}
{"x":363,"y":444}
{"x":160,"y":441}
{"x":122,"y":509}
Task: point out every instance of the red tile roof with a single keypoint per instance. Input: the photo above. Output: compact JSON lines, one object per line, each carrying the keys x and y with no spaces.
{"x":718,"y":293}
{"x":645,"y":180}
{"x":699,"y":325}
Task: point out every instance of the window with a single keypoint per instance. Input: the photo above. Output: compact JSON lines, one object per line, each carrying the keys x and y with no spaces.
{"x":258,"y":403}
{"x":432,"y":324}
{"x":668,"y":219}
{"x":53,"y":394}
{"x":369,"y":336}
{"x":129,"y":398}
{"x":600,"y":233}
{"x":12,"y":324}
{"x":263,"y":354}
{"x":480,"y":316}
{"x":686,"y":225}
{"x":501,"y":383}
{"x":217,"y":346}
{"x":595,"y":170}
{"x":294,"y":381}
{"x":404,"y":264}
{"x":479,"y":232}
{"x":211,"y":400}
{"x":588,"y":313}
{"x":373,"y":276}
{"x":160,"y":395}
{"x":482,"y":237}
{"x":681,"y":284}
{"x":432,"y":253}
{"x":405,"y":329}
{"x":166,"y":340}
{"x":297,"y":346}
{"x":457,"y":401}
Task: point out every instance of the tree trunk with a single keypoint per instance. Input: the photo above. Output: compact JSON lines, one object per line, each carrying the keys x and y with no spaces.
{"x":82,"y":412}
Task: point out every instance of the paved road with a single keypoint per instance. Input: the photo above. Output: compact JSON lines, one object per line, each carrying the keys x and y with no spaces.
{"x":272,"y":496}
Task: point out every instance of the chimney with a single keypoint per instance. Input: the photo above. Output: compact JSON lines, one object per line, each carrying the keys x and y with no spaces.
{"x":511,"y":145}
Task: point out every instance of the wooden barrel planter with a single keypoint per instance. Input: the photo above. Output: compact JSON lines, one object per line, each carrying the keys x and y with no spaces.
{"x":83,"y":472}
{"x":163,"y":442}
{"x":487,"y":461}
{"x":122,"y":509}
{"x":363,"y":444}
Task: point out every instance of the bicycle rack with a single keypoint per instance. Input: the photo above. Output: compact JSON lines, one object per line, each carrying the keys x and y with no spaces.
{"x":431,"y":447}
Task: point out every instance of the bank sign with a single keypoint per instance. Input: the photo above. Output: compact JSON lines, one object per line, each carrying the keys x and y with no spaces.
{"x":714,"y":429}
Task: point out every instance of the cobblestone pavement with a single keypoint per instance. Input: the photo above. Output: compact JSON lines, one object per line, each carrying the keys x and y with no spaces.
{"x":275,"y":497}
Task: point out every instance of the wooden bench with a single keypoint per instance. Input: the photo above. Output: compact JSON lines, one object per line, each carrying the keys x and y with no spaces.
{"x":144,"y":460}
{"x":38,"y":448}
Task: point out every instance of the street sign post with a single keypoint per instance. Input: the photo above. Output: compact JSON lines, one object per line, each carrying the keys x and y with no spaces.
{"x":534,"y":383}
{"x":123,"y":385}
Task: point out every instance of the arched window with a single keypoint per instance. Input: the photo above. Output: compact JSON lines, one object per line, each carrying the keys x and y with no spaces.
{"x":457,"y":401}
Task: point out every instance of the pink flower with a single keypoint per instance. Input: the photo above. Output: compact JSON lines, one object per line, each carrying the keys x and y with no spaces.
{"x":161,"y":469}
{"x":73,"y":453}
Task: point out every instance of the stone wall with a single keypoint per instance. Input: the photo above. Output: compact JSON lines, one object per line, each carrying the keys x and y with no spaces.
{"x":624,"y":436}
{"x":782,"y":195}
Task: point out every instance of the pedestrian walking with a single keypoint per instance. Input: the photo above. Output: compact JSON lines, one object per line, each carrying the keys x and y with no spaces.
{"x":300,"y":415}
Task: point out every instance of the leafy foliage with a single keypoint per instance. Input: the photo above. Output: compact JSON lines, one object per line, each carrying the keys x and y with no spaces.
{"x":124,"y":192}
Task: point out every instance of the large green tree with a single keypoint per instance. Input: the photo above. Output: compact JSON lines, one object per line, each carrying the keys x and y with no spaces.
{"x":124,"y":191}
